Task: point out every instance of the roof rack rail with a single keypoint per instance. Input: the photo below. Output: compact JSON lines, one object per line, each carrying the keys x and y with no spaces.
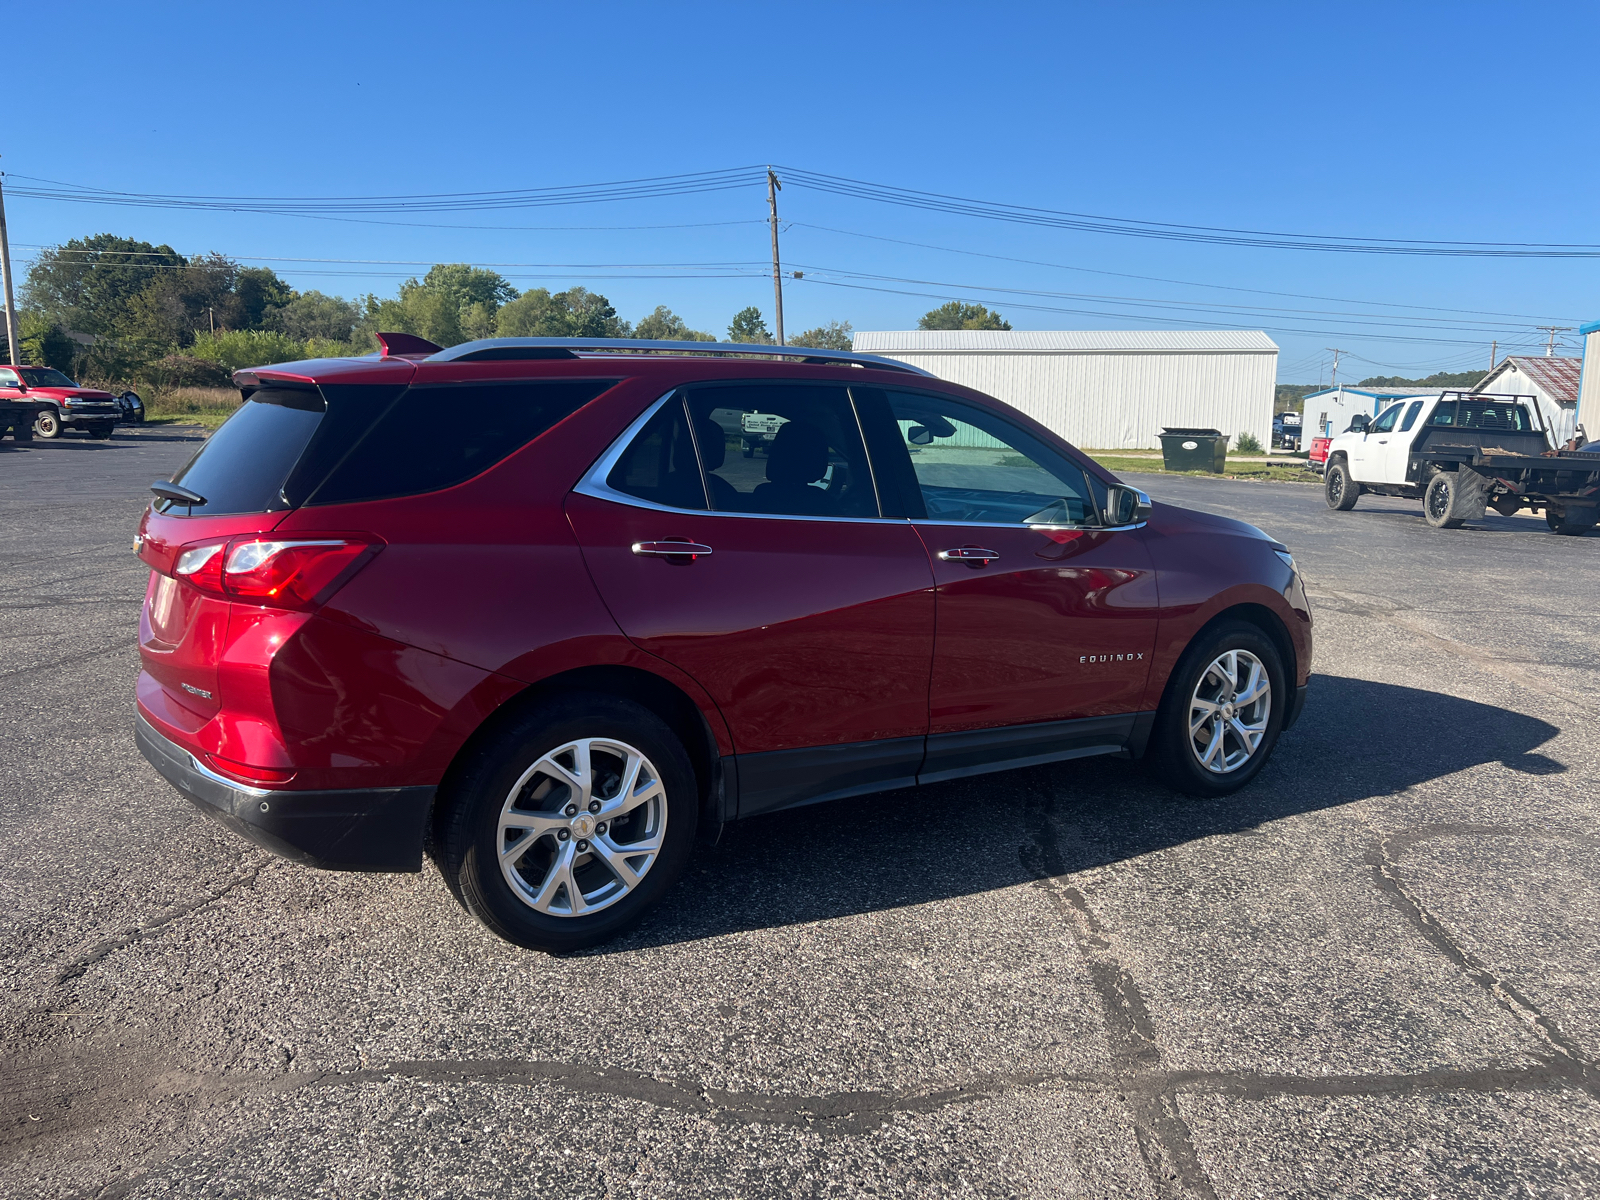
{"x":534,"y":348}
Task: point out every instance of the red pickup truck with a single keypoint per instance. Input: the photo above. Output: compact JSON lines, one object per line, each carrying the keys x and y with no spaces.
{"x":59,"y":402}
{"x":1318,"y":457}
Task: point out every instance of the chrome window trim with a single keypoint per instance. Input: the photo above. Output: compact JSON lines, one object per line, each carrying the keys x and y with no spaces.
{"x":593,"y":484}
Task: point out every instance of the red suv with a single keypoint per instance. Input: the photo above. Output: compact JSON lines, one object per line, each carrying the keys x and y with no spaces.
{"x":516,"y":603}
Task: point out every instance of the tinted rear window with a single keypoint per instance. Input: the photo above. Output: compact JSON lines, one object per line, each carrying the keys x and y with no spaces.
{"x":435,"y":437}
{"x":243,"y":465}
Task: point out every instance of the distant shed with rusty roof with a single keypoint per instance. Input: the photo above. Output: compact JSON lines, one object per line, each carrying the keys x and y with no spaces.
{"x":1551,"y":380}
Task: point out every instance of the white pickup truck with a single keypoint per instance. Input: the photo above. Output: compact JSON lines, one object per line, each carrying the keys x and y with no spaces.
{"x":1461,"y":453}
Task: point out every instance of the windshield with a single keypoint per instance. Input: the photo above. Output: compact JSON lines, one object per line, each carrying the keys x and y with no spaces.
{"x":44,"y":377}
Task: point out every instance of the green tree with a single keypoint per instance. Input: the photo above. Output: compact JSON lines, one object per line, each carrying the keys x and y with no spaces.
{"x":88,"y":284}
{"x":44,"y":343}
{"x":835,"y":335}
{"x":236,"y":348}
{"x":749,"y":326}
{"x":257,"y":294}
{"x":664,"y":325}
{"x":453,"y":303}
{"x":957,"y":315}
{"x":1439,"y":379}
{"x":576,"y":312}
{"x":314,"y":315}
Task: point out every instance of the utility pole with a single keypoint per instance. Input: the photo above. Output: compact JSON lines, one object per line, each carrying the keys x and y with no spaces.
{"x":773,"y":188}
{"x":1552,"y":330}
{"x":212,"y":313}
{"x":1494,"y":348}
{"x":14,"y":346}
{"x":1336,"y":352}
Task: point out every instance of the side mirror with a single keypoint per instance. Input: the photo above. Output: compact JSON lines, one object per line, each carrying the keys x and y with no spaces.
{"x":1127,"y":507}
{"x":1359,"y":423}
{"x":920,"y":435}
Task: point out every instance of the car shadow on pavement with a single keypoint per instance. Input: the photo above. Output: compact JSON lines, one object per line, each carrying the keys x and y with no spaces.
{"x":972,"y":836}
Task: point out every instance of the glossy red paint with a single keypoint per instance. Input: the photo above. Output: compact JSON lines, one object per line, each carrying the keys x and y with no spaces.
{"x":1056,"y":627}
{"x":806,"y":632}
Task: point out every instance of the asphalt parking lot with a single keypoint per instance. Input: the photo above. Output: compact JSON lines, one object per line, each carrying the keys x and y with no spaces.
{"x":1372,"y":973}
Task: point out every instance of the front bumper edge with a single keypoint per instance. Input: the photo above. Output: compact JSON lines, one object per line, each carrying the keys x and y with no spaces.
{"x":359,"y":829}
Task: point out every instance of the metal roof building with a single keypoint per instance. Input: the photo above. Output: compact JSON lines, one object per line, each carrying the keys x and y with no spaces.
{"x":1105,"y":389}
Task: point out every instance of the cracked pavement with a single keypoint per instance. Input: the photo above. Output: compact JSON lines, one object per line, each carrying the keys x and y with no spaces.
{"x":1372,"y":973}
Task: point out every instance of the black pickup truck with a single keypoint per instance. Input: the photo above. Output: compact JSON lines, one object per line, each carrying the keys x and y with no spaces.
{"x":1461,"y":453}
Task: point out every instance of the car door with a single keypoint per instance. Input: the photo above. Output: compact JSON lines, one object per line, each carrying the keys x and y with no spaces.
{"x":1393,"y":451}
{"x":802,"y":611}
{"x":1046,"y":616}
{"x":1367,"y":455}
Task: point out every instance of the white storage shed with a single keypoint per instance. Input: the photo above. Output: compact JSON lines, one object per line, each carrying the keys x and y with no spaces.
{"x":1105,"y":390}
{"x":1588,"y":411}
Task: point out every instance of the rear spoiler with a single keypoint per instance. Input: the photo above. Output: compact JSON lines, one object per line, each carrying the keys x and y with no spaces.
{"x":397,"y":345}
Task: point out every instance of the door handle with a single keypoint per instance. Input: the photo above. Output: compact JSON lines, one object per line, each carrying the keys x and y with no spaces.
{"x":972,"y":556}
{"x":1383,"y":441}
{"x":671,"y":549}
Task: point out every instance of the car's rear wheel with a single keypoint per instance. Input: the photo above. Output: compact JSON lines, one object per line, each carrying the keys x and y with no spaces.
{"x":103,"y":430}
{"x":572,"y":823}
{"x":1338,"y":489}
{"x":1224,"y":707}
{"x":1453,"y":498}
{"x":47,"y":425}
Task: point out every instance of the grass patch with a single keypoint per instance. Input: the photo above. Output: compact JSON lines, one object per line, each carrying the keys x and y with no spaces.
{"x":191,"y":406}
{"x":1275,"y":472}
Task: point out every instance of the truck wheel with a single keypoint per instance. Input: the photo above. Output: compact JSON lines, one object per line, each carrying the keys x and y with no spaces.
{"x":103,"y":431}
{"x":565,"y":829}
{"x":1223,"y":708}
{"x":47,"y":425}
{"x":1454,"y":497}
{"x":22,"y":431}
{"x":1340,"y":491}
{"x":1559,"y":523}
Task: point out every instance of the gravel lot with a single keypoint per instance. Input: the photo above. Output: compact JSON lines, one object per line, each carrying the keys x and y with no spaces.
{"x":1373,"y":973}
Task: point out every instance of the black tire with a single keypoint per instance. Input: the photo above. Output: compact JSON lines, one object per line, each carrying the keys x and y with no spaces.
{"x":103,"y":430}
{"x":22,"y":431}
{"x":1339,"y":489}
{"x":47,"y":425}
{"x":1172,"y":753}
{"x":1559,"y":523}
{"x":1452,"y":498}
{"x":471,"y":838}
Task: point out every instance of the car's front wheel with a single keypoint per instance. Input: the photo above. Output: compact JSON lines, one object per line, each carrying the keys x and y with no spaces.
{"x":1222,"y":712}
{"x":47,"y":425}
{"x":567,"y":827}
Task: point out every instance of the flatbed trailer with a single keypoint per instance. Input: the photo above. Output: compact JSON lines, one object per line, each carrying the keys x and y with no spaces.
{"x":1462,"y":453}
{"x":17,"y":418}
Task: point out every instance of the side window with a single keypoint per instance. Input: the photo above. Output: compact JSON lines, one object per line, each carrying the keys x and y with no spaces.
{"x":436,"y":437}
{"x":972,"y":466}
{"x":782,"y":451}
{"x":1445,"y":414}
{"x":1412,"y":414}
{"x":1385,"y":423}
{"x":8,"y":377}
{"x":659,"y":465}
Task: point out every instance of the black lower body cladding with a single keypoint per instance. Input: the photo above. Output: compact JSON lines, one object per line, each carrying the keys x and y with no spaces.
{"x":364,"y":829}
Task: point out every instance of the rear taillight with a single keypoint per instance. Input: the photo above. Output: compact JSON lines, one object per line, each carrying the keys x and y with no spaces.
{"x":279,"y":572}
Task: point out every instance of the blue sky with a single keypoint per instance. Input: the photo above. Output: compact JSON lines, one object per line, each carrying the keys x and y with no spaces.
{"x":1461,"y":122}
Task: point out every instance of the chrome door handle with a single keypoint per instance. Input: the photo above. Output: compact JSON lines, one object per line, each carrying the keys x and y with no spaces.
{"x":688,"y":550}
{"x":972,"y":556}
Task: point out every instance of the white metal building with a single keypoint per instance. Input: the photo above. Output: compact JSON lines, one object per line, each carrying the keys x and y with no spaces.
{"x":1106,"y":390}
{"x":1588,"y":412}
{"x":1327,"y":413}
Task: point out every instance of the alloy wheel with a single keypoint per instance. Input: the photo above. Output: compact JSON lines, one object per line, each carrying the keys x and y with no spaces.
{"x":1335,"y":488}
{"x":582,"y":827}
{"x":1437,"y":499}
{"x":1229,"y":710}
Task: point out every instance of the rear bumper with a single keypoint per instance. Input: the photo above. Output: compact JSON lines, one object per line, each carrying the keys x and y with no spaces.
{"x":361,"y":829}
